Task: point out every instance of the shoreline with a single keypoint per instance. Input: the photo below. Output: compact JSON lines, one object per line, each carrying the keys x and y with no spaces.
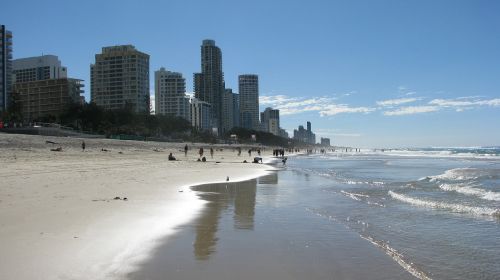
{"x":58,"y":212}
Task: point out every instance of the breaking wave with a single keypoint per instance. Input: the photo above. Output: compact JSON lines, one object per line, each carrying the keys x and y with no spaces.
{"x":458,"y":208}
{"x":469,"y":190}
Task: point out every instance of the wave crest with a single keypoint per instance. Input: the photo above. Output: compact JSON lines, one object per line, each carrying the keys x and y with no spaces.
{"x":458,"y":208}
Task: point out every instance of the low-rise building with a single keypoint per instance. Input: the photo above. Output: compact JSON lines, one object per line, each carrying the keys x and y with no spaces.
{"x":46,"y":98}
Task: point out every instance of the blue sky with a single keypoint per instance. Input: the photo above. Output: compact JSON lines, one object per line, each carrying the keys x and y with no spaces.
{"x":399,"y":73}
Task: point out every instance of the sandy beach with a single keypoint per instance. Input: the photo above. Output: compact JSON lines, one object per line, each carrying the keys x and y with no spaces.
{"x":58,"y":213}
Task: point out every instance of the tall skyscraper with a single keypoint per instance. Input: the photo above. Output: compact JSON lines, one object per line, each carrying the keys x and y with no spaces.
{"x":236,"y":110}
{"x":270,"y":121}
{"x":209,"y":84}
{"x":120,"y":76}
{"x":170,"y":94}
{"x":227,"y":110}
{"x":37,"y":68}
{"x":249,"y":101}
{"x":5,"y":67}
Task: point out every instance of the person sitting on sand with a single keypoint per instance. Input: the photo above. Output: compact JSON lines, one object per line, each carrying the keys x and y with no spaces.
{"x":204,"y":159}
{"x":257,"y":160}
{"x":171,"y":157}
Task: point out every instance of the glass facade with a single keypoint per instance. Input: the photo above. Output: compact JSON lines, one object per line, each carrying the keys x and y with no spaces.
{"x":5,"y":67}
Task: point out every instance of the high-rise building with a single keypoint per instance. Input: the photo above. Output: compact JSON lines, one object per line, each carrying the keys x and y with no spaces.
{"x":46,"y":98}
{"x":227,"y":110}
{"x":249,"y":101}
{"x":209,"y":84}
{"x":236,"y":110}
{"x":5,"y":67}
{"x":303,"y":135}
{"x":200,"y":114}
{"x":170,"y":94}
{"x":37,"y":68}
{"x":270,"y":121}
{"x":325,"y":142}
{"x":120,"y":77}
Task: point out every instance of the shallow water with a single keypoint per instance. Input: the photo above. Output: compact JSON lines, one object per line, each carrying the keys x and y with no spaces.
{"x":264,"y":229}
{"x":344,"y":216}
{"x":441,"y":214}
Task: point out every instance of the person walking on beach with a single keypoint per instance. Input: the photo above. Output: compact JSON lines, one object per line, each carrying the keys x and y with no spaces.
{"x":186,"y":150}
{"x":239,"y":151}
{"x":83,"y":146}
{"x":201,"y":152}
{"x":212,"y":152}
{"x":249,"y":152}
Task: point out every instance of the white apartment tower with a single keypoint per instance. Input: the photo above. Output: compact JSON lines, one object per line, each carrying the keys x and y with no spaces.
{"x":38,"y":68}
{"x":270,"y":120}
{"x":170,"y":94}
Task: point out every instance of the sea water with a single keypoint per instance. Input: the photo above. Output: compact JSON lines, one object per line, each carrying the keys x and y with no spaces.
{"x":435,"y":211}
{"x":397,"y":214}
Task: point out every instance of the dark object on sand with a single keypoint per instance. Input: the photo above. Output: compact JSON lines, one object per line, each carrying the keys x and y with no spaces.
{"x":104,"y":150}
{"x":49,"y":142}
{"x":257,"y":160}
{"x":204,"y":159}
{"x":171,"y":157}
{"x":125,"y":198}
{"x":120,"y":152}
{"x":227,"y":179}
{"x":245,"y":161}
{"x":58,"y":149}
{"x":117,"y":198}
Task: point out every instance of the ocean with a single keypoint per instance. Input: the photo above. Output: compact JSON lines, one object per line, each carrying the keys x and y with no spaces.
{"x":435,"y":211}
{"x":393,"y":214}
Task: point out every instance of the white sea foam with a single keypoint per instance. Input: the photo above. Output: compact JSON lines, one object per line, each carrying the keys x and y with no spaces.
{"x":469,"y":190}
{"x":355,"y":196}
{"x":457,"y":174}
{"x":398,"y":257}
{"x":436,"y":154}
{"x":353,"y":182}
{"x":458,"y":208}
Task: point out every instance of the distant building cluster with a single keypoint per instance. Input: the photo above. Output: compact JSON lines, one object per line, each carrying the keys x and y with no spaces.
{"x":120,"y":78}
{"x":305,"y":135}
{"x":325,"y":142}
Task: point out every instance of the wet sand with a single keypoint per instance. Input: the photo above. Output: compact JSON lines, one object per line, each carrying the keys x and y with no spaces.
{"x":257,"y":230}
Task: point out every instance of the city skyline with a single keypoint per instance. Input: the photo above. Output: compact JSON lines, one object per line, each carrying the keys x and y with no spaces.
{"x":373,"y":75}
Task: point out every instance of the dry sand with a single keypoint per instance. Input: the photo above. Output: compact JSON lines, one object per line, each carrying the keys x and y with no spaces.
{"x":58,"y":215}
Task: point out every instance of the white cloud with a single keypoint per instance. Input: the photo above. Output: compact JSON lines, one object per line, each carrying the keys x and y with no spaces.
{"x":465,"y":102}
{"x":394,"y":102}
{"x":335,"y":109}
{"x":411,"y":110}
{"x":325,"y":106}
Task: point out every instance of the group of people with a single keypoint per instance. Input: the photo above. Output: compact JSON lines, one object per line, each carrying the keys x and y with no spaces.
{"x":279,"y":152}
